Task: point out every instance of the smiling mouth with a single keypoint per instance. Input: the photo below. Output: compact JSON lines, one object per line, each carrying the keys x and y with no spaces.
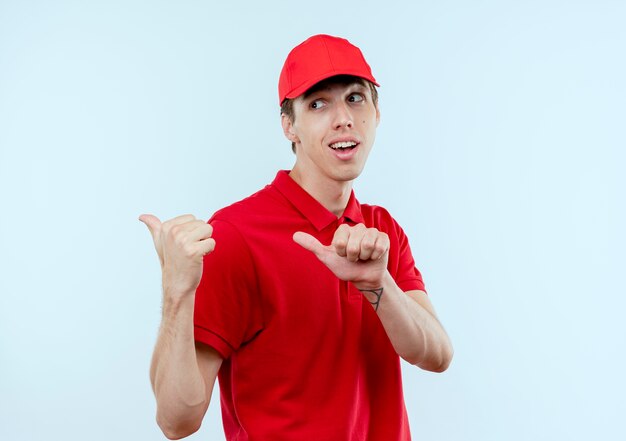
{"x":344,"y":145}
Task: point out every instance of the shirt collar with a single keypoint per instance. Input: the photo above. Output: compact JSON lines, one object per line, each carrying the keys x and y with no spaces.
{"x":310,"y":208}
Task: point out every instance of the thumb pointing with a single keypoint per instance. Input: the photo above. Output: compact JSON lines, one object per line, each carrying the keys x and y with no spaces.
{"x":152,"y":222}
{"x":308,"y":242}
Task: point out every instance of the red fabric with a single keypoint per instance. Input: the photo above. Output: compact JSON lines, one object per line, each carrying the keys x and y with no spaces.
{"x":306,"y":357}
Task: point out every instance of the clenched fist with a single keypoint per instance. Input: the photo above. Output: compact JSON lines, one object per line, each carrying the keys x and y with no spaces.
{"x":181,"y":243}
{"x":357,"y":254}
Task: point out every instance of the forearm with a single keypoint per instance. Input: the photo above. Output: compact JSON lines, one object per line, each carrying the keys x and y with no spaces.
{"x":179,"y":388}
{"x":360,"y":255}
{"x":415,"y":333}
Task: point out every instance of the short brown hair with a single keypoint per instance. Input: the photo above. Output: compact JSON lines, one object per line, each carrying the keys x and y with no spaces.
{"x":286,"y":107}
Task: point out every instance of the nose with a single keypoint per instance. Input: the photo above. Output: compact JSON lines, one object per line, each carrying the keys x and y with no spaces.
{"x":343,"y":117}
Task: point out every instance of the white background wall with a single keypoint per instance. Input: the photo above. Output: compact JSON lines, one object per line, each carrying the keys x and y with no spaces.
{"x":500,"y":151}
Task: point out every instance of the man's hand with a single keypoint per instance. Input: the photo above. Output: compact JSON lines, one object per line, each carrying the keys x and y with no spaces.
{"x":357,"y":254}
{"x":181,"y":244}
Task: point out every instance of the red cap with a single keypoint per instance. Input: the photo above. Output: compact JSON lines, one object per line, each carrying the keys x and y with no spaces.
{"x":317,"y":58}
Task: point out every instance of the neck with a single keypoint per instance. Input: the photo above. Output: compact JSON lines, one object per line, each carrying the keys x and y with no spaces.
{"x":333,"y":195}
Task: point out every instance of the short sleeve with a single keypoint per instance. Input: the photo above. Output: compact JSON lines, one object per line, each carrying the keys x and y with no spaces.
{"x":227,"y":312}
{"x":408,"y":276}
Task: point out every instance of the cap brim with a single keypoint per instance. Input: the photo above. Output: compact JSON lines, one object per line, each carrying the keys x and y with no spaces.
{"x":295,"y":93}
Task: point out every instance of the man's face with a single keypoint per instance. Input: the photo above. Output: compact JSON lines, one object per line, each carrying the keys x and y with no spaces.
{"x":334,"y":127}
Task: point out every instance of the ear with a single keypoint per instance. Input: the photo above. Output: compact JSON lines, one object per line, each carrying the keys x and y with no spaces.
{"x":377,"y":116}
{"x":288,"y":129}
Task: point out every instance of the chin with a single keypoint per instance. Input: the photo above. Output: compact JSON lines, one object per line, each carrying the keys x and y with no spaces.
{"x":347,"y":175}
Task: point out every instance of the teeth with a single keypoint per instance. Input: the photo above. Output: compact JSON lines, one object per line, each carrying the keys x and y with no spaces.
{"x":343,"y":145}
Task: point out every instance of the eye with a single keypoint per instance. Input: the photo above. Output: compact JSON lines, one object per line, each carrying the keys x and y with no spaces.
{"x":317,"y":104}
{"x":356,"y":98}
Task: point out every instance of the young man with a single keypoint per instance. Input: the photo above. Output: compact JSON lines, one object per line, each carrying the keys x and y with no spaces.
{"x":309,"y":300}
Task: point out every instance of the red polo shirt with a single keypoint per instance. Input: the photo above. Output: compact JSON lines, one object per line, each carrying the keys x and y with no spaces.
{"x":305,"y":355}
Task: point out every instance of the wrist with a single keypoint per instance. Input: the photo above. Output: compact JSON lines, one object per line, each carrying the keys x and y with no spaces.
{"x":177,"y":284}
{"x":176,"y":291}
{"x":375,"y":283}
{"x":175,"y":302}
